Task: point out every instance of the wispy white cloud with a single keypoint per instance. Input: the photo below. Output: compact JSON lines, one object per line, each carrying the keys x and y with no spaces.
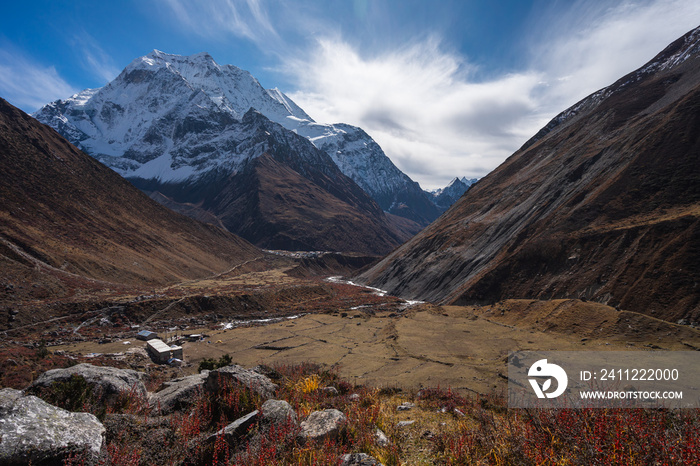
{"x":419,"y":104}
{"x":591,"y":45}
{"x":93,"y":58}
{"x":27,"y":84}
{"x":435,"y":120}
{"x":246,"y":19}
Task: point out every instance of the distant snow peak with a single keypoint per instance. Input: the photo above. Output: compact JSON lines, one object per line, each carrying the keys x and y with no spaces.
{"x":456,"y":185}
{"x":445,"y":197}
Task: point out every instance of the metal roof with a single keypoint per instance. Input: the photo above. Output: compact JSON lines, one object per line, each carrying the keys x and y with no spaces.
{"x":159,"y":346}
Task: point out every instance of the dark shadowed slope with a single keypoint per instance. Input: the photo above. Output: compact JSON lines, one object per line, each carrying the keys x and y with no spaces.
{"x":291,"y":196}
{"x":64,"y":213}
{"x":603,"y":204}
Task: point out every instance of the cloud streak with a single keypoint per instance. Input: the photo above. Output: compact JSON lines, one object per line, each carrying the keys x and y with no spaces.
{"x":435,"y":119}
{"x":246,"y":19}
{"x":94,"y":59}
{"x":27,"y":84}
{"x":420,"y":104}
{"x":591,"y":46}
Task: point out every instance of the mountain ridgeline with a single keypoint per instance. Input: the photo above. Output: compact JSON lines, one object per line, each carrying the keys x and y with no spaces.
{"x":189,"y":132}
{"x":602,"y":204}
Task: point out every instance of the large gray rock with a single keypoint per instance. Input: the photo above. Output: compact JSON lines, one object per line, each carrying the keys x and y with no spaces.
{"x":330,"y":391}
{"x":275,"y":412}
{"x":322,"y":424}
{"x":381,"y":439}
{"x":359,"y":459}
{"x":405,"y":406}
{"x":178,"y":394}
{"x":237,"y":429}
{"x":237,"y":375}
{"x":33,"y":431}
{"x":110,"y":380}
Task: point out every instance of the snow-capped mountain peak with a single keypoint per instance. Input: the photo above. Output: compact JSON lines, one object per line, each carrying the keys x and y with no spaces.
{"x":445,"y":197}
{"x":169,"y":117}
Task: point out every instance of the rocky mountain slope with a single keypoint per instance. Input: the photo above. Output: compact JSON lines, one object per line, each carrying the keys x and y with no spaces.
{"x":66,"y":217}
{"x":360,"y":157}
{"x":282,"y":193}
{"x":164,"y":118}
{"x":602,"y":204}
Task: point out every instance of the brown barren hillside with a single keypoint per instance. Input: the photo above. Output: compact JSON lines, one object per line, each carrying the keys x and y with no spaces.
{"x":64,"y":215}
{"x":273,"y":203}
{"x":602,"y":204}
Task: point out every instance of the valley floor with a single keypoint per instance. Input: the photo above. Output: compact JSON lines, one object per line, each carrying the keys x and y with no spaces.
{"x":272,"y":316}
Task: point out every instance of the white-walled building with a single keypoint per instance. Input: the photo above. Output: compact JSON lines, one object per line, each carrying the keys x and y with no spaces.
{"x":161,"y":353}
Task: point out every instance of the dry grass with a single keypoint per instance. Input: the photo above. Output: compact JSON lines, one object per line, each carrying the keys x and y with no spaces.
{"x":447,"y":429}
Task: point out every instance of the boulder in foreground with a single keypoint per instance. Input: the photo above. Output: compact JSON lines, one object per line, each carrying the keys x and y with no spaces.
{"x":322,"y":424}
{"x":234,"y":374}
{"x":110,"y":380}
{"x":178,"y":394}
{"x":35,"y":432}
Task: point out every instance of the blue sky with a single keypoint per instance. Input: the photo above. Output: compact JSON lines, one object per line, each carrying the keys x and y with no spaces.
{"x":447,"y":88}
